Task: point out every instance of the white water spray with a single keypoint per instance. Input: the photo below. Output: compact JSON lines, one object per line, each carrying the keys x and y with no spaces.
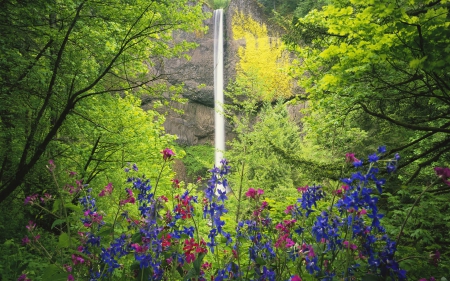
{"x":219,"y":122}
{"x":219,"y":118}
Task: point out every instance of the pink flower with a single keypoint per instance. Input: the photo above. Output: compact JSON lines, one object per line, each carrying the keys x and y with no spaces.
{"x":30,"y":199}
{"x":289,"y":209}
{"x":70,"y":277}
{"x":302,"y":189}
{"x":435,"y":258}
{"x":167,"y":154}
{"x":352,"y":246}
{"x":138,"y":248}
{"x":68,"y":268}
{"x":443,"y":173}
{"x":260,"y":191}
{"x":251,"y":193}
{"x":51,"y":165}
{"x":107,"y":190}
{"x":76,"y":259}
{"x":206,"y":266}
{"x":289,"y":243}
{"x":25,"y":240}
{"x":295,"y":278}
{"x":350,"y":158}
{"x":130,"y":198}
{"x":23,"y":277}
{"x":31,"y":225}
{"x":176,"y":183}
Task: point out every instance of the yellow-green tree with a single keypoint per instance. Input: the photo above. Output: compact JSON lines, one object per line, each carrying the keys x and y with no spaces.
{"x":262,"y":71}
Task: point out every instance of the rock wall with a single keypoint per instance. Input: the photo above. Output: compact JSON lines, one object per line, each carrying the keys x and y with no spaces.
{"x":196,"y":125}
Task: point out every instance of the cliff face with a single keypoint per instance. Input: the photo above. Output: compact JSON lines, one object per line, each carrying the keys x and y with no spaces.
{"x":196,"y":125}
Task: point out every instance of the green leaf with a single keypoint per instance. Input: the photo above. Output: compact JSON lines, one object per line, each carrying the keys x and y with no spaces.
{"x":56,"y":205}
{"x":136,"y":238}
{"x":64,"y":240}
{"x":73,"y":207}
{"x":198,"y":263}
{"x":57,"y":222}
{"x":371,"y":277}
{"x":191,"y":274}
{"x":260,"y":261}
{"x":54,"y":273}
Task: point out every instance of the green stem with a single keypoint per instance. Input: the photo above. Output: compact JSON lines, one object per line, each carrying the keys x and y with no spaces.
{"x":47,"y":210}
{"x":410,"y":211}
{"x":63,"y":207}
{"x":157,"y":179}
{"x":240,"y":193}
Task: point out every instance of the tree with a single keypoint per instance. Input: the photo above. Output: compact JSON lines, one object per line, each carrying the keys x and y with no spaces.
{"x":264,"y":64}
{"x":366,"y":62}
{"x":54,"y":55}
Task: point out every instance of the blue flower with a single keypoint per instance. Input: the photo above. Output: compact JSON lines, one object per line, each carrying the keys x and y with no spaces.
{"x":311,"y":264}
{"x":373,"y":158}
{"x":358,"y":163}
{"x":144,"y":260}
{"x":382,"y":149}
{"x":222,"y":195}
{"x":107,"y":259}
{"x":379,"y":183}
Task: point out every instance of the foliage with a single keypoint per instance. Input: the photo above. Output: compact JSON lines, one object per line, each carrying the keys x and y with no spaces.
{"x":57,"y":56}
{"x":262,"y":149}
{"x":218,"y":4}
{"x":100,"y":138}
{"x":154,"y":233}
{"x":262,"y":70}
{"x":378,"y":68}
{"x":198,"y":159}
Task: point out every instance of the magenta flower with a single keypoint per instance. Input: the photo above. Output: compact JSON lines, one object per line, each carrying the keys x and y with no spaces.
{"x":51,"y":165}
{"x":23,"y":277}
{"x":302,"y":189}
{"x":443,"y":173}
{"x":251,"y":193}
{"x":31,"y":225}
{"x":295,"y":278}
{"x":30,"y":199}
{"x":289,"y":209}
{"x":176,"y":183}
{"x":76,"y":259}
{"x":350,"y":158}
{"x":139,"y":249}
{"x":25,"y":240}
{"x":70,"y":277}
{"x":435,"y":258}
{"x":107,"y":190}
{"x":68,"y":268}
{"x":167,"y":154}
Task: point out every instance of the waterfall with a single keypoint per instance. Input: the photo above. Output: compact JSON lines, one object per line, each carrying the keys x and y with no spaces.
{"x":219,"y":118}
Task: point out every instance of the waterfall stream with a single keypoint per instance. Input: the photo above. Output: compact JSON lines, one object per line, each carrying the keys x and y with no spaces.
{"x":219,"y":118}
{"x":219,"y":122}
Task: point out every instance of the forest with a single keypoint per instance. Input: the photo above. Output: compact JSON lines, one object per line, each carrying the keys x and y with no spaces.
{"x":358,"y":189}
